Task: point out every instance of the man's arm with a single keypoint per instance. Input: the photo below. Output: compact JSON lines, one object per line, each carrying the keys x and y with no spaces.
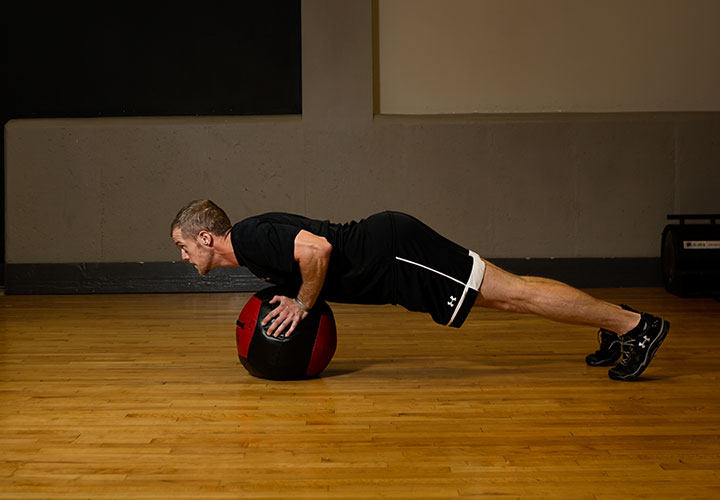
{"x":312,"y":253}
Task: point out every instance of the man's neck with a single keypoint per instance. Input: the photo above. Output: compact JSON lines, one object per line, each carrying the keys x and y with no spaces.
{"x":225,"y":255}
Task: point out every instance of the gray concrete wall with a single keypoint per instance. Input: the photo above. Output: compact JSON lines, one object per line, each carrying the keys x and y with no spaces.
{"x":500,"y":56}
{"x":555,"y":185}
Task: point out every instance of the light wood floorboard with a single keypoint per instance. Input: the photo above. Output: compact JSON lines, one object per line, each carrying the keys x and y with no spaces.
{"x":143,"y":397}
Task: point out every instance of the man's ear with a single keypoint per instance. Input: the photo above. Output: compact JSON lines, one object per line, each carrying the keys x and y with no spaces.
{"x":205,"y":238}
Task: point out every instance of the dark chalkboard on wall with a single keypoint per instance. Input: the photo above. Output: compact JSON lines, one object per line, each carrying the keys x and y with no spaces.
{"x":81,"y":59}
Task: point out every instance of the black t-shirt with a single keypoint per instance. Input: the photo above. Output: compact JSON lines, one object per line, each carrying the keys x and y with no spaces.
{"x":361,"y":262}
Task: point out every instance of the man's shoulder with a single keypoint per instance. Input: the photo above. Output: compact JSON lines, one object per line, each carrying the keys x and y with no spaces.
{"x":255,"y":237}
{"x":271,"y":217}
{"x":270,"y":224}
{"x":254,"y":220}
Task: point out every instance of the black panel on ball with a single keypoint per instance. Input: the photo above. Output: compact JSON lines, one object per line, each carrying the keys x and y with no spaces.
{"x":282,"y":358}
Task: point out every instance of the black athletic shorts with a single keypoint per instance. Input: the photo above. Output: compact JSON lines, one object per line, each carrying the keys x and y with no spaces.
{"x":432,"y":273}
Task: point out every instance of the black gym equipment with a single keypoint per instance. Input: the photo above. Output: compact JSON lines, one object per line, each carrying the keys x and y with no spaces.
{"x":691,"y":255}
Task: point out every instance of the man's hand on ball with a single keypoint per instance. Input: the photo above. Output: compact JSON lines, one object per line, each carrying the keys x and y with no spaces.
{"x":287,"y":316}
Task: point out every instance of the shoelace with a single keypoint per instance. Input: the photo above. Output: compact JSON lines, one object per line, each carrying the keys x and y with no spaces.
{"x":599,"y":339}
{"x":627,"y":347}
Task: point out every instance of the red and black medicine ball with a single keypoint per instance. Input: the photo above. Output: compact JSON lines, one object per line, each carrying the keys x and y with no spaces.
{"x":303,"y":354}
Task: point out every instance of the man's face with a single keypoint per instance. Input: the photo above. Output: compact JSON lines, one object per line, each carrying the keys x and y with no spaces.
{"x":194,"y":251}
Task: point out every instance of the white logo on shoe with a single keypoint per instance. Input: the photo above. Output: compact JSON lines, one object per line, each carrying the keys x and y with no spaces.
{"x":452,"y":301}
{"x":647,"y":339}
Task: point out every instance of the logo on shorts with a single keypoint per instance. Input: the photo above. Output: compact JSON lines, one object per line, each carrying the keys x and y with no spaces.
{"x":452,"y":301}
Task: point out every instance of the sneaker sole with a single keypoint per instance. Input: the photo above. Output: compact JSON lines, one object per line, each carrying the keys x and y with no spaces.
{"x":605,"y":362}
{"x":664,"y":329}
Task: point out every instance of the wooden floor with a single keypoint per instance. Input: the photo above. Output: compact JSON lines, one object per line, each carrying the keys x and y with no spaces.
{"x":142,"y":396}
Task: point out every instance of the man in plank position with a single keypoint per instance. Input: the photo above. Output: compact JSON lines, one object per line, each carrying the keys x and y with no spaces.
{"x":393,"y":258}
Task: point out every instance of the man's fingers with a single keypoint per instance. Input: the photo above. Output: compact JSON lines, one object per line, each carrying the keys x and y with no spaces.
{"x":285,"y":317}
{"x":275,"y":324}
{"x":281,"y":316}
{"x":272,"y":313}
{"x":269,"y":316}
{"x":290,"y":323}
{"x":292,"y":328}
{"x":281,"y":324}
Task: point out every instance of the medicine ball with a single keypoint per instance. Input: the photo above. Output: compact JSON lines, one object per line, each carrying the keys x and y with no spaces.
{"x":303,"y":354}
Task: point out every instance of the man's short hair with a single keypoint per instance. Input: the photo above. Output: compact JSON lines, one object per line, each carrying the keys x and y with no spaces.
{"x":201,"y":215}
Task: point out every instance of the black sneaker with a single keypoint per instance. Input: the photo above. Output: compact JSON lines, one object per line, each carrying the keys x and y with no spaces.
{"x":610,"y":349}
{"x":639,"y":346}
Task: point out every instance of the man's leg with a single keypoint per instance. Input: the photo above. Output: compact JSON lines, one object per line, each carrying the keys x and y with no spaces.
{"x":552,"y":300}
{"x":640,"y":334}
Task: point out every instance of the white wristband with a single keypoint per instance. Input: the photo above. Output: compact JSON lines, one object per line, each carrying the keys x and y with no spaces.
{"x":302,"y":306}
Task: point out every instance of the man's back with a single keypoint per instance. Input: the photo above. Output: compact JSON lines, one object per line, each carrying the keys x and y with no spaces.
{"x":360,"y":269}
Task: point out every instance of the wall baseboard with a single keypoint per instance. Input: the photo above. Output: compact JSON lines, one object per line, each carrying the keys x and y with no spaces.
{"x":174,"y":277}
{"x":124,"y":277}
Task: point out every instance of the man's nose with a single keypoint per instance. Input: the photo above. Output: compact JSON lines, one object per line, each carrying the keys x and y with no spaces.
{"x":184,"y":255}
